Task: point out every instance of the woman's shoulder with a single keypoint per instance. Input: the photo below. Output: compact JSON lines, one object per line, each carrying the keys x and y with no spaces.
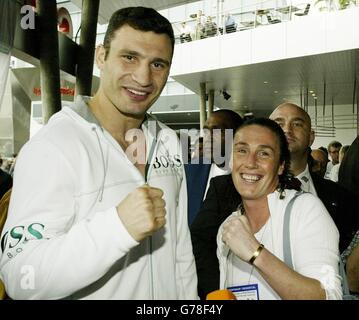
{"x":303,"y":202}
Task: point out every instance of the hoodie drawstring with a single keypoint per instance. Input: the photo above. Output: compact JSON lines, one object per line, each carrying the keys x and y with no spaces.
{"x":104,"y":165}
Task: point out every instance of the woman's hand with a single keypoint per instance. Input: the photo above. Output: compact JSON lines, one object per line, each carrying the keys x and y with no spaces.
{"x":237,"y":234}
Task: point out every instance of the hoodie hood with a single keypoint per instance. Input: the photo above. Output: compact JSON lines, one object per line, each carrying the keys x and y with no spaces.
{"x":80,"y":107}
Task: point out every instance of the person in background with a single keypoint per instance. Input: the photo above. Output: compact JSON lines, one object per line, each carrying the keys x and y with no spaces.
{"x":348,"y":176}
{"x":210,"y":27}
{"x":341,"y":205}
{"x":201,"y":17}
{"x":185,"y":32}
{"x":230,"y":24}
{"x":5,"y":180}
{"x":199,"y":31}
{"x":333,"y":150}
{"x":250,"y":241}
{"x":325,"y":150}
{"x":218,"y":133}
{"x":335,"y":170}
{"x":204,"y":181}
{"x":320,"y":160}
{"x":96,"y":211}
{"x":350,"y":258}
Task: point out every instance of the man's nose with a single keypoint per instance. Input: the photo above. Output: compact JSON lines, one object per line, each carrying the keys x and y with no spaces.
{"x":143,"y":75}
{"x":287,"y":127}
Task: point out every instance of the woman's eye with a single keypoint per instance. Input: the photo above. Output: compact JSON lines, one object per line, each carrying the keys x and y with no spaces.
{"x":263,"y":154}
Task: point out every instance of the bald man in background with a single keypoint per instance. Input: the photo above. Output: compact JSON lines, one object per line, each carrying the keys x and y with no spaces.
{"x":340,"y":204}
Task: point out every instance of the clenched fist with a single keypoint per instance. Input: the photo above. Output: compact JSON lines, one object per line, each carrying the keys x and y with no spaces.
{"x":143,"y":212}
{"x":238,"y":236}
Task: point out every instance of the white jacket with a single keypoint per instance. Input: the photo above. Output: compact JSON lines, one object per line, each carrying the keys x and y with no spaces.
{"x":63,"y":237}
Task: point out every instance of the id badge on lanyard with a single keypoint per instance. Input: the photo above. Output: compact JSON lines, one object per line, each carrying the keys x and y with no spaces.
{"x":245,"y":292}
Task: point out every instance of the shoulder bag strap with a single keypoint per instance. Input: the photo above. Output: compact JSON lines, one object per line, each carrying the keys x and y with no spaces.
{"x":287,"y":254}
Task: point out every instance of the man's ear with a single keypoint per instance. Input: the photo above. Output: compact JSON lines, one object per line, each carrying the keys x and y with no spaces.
{"x":100,"y":55}
{"x":312,"y":137}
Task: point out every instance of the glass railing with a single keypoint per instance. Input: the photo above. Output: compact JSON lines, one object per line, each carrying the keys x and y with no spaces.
{"x":265,"y":13}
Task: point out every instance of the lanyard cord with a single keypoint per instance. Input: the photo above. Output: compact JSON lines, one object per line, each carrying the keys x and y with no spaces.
{"x":241,"y":211}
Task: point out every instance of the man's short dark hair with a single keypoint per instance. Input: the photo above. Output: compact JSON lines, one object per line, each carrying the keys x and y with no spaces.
{"x":234,"y":119}
{"x":334,"y":144}
{"x":325,"y":150}
{"x":139,"y":18}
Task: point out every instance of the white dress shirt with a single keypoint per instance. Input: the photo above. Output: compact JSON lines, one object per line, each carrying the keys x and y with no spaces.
{"x":307,"y":182}
{"x":330,"y":166}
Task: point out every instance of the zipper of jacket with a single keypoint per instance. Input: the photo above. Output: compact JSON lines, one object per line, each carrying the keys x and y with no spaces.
{"x":150,"y":244}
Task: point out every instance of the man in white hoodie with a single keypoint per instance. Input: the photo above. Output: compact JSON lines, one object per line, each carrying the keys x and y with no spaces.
{"x":98,"y":208}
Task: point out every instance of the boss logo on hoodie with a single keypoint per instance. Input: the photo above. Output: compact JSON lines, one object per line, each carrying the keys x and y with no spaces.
{"x":20,"y":235}
{"x":167,"y":163}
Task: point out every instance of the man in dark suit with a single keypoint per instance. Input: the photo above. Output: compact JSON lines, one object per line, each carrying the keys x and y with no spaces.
{"x":340,"y":203}
{"x":349,"y":179}
{"x":215,"y":159}
{"x":348,"y":176}
{"x":221,"y":200}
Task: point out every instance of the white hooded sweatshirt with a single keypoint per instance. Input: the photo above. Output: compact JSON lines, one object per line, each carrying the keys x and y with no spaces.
{"x":63,"y":237}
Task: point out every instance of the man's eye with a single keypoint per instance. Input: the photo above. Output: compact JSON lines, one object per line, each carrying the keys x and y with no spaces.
{"x":129,"y":58}
{"x":158,"y":65}
{"x":297,"y":124}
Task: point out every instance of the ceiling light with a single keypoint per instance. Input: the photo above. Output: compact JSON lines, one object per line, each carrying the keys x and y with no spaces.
{"x":311,"y":91}
{"x":265,"y":82}
{"x":276,"y":91}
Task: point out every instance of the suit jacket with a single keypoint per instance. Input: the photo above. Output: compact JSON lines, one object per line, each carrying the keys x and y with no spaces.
{"x":197,"y":177}
{"x":342,"y":207}
{"x":222,"y":199}
{"x":349,"y":168}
